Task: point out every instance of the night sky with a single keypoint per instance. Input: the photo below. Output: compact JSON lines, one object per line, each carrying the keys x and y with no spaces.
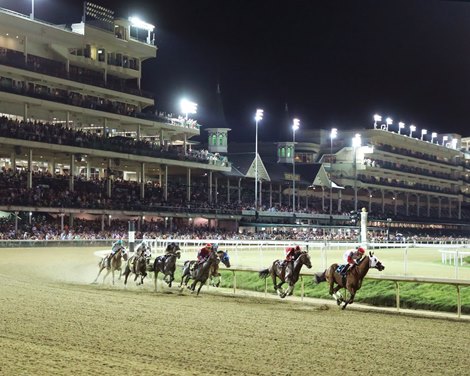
{"x":335,"y":63}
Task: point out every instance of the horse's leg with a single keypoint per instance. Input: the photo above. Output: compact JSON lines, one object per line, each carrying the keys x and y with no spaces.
{"x":201,"y":283}
{"x":352,"y":294}
{"x":337,"y":295}
{"x":171,"y":279}
{"x":99,"y":272}
{"x":126,"y":275}
{"x":289,"y":291}
{"x":107,"y":273}
{"x":276,"y":287}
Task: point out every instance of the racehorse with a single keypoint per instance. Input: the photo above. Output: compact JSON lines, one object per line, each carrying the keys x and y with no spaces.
{"x":214,"y":274}
{"x":353,"y":280}
{"x":201,"y":272}
{"x":286,"y":273}
{"x":138,"y":265}
{"x":166,"y":264}
{"x":115,"y":264}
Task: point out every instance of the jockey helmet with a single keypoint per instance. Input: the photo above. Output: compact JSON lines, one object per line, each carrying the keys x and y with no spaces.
{"x":361,"y":250}
{"x":209,"y":245}
{"x":119,"y":242}
{"x":297,"y":248}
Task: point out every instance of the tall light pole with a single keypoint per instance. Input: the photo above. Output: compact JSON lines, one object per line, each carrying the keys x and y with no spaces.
{"x":433,"y":136}
{"x":377,"y":118}
{"x":333,"y":134}
{"x":188,"y":107}
{"x":356,"y":142}
{"x":32,"y":10}
{"x":412,"y":129}
{"x":295,"y":127}
{"x":258,"y":118}
{"x":401,"y":125}
{"x":389,"y":122}
{"x":444,"y":139}
{"x":423,"y":132}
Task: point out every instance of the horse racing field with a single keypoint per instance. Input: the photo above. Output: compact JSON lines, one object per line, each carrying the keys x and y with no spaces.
{"x":54,"y":322}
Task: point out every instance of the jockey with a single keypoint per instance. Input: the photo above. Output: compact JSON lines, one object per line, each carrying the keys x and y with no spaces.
{"x":292,"y":253}
{"x":204,"y":253}
{"x":170,"y":249}
{"x":351,"y":258}
{"x":117,"y":246}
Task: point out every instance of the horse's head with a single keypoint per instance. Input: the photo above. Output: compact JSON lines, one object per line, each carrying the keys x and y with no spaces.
{"x":374,"y":262}
{"x":224,"y":257}
{"x":178,"y":253}
{"x":304,"y":258}
{"x":124,"y":254}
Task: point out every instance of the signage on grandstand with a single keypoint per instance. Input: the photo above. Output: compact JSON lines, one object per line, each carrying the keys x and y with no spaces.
{"x":288,"y":176}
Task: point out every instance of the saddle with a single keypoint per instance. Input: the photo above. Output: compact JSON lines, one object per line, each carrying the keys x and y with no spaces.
{"x":340,"y":268}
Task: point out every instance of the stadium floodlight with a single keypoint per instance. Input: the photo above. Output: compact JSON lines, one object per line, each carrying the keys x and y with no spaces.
{"x":138,"y":23}
{"x":188,"y":107}
{"x":423,"y":133}
{"x":376,"y":119}
{"x":433,"y":136}
{"x":258,"y":117}
{"x":389,"y":121}
{"x":412,"y":129}
{"x":401,"y":125}
{"x":444,"y":139}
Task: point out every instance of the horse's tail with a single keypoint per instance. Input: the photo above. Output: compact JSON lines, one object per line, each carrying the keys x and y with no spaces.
{"x":264,"y":273}
{"x":319,"y":277}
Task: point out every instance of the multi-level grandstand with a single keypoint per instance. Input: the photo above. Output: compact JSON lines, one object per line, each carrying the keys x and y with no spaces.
{"x":79,"y":138}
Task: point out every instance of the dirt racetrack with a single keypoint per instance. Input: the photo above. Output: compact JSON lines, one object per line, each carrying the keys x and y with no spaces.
{"x":54,"y":322}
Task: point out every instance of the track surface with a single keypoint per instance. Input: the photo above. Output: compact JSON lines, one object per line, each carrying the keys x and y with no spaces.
{"x":54,"y":322}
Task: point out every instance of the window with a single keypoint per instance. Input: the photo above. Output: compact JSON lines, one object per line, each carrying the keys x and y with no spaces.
{"x":221,"y":140}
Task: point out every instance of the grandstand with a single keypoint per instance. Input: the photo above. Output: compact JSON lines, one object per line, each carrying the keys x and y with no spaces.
{"x":80,"y":140}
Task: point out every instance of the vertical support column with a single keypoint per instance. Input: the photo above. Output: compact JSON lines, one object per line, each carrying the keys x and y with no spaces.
{"x":209,"y":176}
{"x":188,"y":184}
{"x":280,"y":194}
{"x":185,"y":144}
{"x":109,"y":220}
{"x":131,"y":236}
{"x":370,"y":200}
{"x":340,"y":200}
{"x":67,"y":119}
{"x":165,"y":189}
{"x":29,"y":183}
{"x":105,"y":128}
{"x":162,"y":142}
{"x":71,"y":218}
{"x":142,"y":180}
{"x":13,"y":161}
{"x":450,"y":207}
{"x":429,"y":205}
{"x":138,"y":132}
{"x":16,"y":222}
{"x":53,"y":163}
{"x":25,"y":49}
{"x":25,"y":112}
{"x":239,"y":190}
{"x":323,"y":198}
{"x":62,"y":215}
{"x":459,"y":208}
{"x":216,"y":187}
{"x":102,"y":222}
{"x":395,"y":203}
{"x":72,"y":173}
{"x":228,"y":190}
{"x":88,"y":170}
{"x":439,"y":207}
{"x":417,"y":204}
